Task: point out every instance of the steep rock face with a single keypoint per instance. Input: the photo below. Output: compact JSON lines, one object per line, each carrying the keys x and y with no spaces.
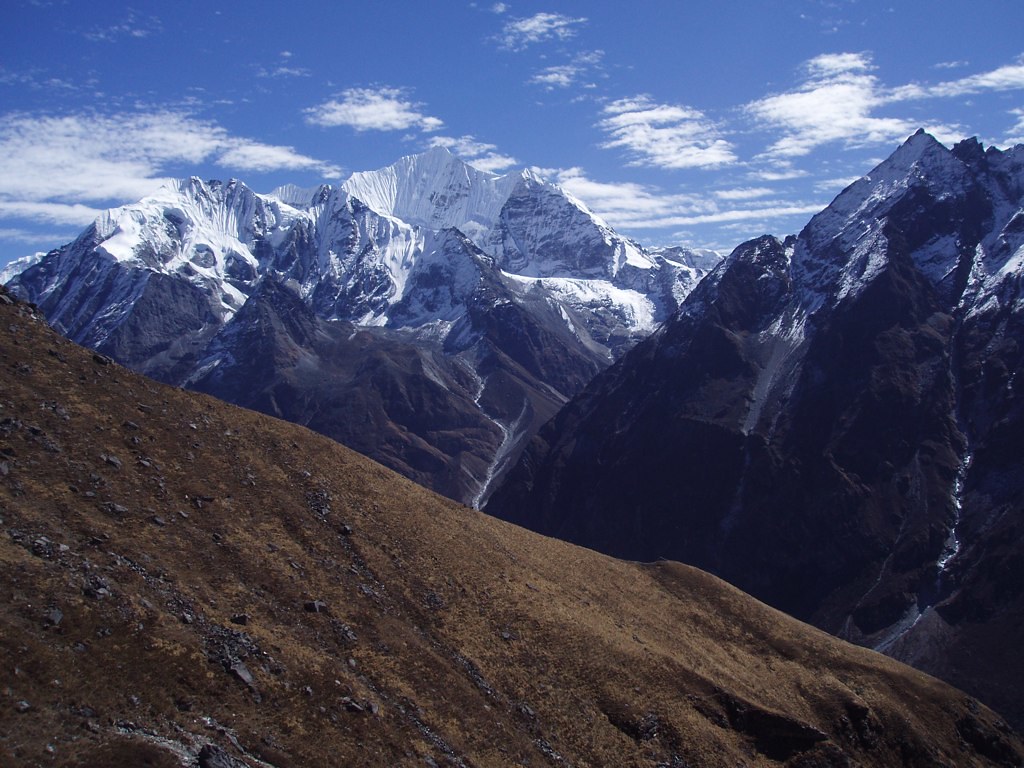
{"x":388,"y":398}
{"x":830,"y":423}
{"x":413,"y":250}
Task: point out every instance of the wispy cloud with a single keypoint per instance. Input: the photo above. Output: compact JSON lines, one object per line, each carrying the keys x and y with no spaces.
{"x":742,"y":193}
{"x":284,"y":71}
{"x":841,"y":98}
{"x":1006,"y":78}
{"x":566,"y":75}
{"x":835,"y":103}
{"x":834,"y":186}
{"x":249,"y":155}
{"x":499,"y":8}
{"x":765,"y":213}
{"x":1016,"y":135}
{"x":518,"y":34}
{"x":627,"y":204}
{"x":283,"y":68}
{"x":778,"y":172}
{"x":18,"y":235}
{"x":53,"y":168}
{"x":630,"y":206}
{"x":664,"y":135}
{"x":480,"y":155}
{"x":37,"y":80}
{"x":373,"y":109}
{"x":134,"y":25}
{"x":74,"y":214}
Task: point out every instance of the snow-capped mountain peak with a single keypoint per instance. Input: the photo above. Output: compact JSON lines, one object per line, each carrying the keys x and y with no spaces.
{"x":355,"y":252}
{"x":434,"y":190}
{"x":857,"y":223}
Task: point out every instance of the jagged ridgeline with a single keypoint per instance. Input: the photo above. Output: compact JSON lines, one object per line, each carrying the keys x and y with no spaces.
{"x":187,"y":583}
{"x":427,"y":314}
{"x":833,"y":423}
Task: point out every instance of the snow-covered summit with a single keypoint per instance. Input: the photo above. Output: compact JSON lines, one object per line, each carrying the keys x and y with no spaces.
{"x":19,"y":265}
{"x":435,"y":190}
{"x":532,"y":227}
{"x":355,"y":252}
{"x":921,"y":174}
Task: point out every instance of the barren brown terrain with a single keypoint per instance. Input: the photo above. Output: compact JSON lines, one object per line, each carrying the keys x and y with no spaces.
{"x":183,"y":582}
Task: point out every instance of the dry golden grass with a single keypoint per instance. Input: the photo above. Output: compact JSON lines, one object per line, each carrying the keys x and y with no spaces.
{"x":155,"y":519}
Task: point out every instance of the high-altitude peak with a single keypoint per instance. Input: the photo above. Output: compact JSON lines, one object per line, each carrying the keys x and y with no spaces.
{"x":454,"y":268}
{"x":435,"y":190}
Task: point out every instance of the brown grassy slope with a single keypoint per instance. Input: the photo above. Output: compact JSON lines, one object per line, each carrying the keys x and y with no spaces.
{"x":161,"y":552}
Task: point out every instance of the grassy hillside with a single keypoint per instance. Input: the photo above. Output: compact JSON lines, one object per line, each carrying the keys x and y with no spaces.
{"x":183,"y":582}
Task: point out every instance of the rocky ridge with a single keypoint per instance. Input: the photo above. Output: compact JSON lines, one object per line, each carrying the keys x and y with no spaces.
{"x":836,"y":421}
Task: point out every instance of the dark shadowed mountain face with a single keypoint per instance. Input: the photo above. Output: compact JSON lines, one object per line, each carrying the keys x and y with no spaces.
{"x":414,"y":407}
{"x":831,"y":423}
{"x":190,"y":583}
{"x":405,"y":339}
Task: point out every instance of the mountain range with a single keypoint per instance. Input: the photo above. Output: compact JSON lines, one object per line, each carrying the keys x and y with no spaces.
{"x":832,"y":423}
{"x":187,"y":583}
{"x":828,"y":421}
{"x":428,"y":314}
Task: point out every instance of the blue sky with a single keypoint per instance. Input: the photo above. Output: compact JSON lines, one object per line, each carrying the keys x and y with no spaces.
{"x":679,"y":122}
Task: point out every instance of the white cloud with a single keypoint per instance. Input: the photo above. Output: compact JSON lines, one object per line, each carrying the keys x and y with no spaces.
{"x":283,"y":71}
{"x":633,"y":206}
{"x":42,"y":239}
{"x":134,"y":25}
{"x":480,"y":155}
{"x":565,"y":75}
{"x":373,"y":109}
{"x":834,"y":104}
{"x":1016,"y":135}
{"x":835,"y":64}
{"x":52,"y":167}
{"x":835,"y":186}
{"x":1006,"y":78}
{"x":283,"y":68}
{"x":499,"y":8}
{"x":518,"y":34}
{"x":780,"y":173}
{"x":743,"y":193}
{"x":626,"y":204}
{"x":255,"y":156}
{"x":841,"y":97}
{"x":743,"y":214}
{"x":664,"y":135}
{"x":49,"y":213}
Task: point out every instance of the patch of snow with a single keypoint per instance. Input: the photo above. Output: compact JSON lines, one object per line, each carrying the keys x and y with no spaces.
{"x":511,"y":434}
{"x":434,"y":190}
{"x":952,"y":546}
{"x":636,"y":310}
{"x":17,"y":266}
{"x":783,"y":338}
